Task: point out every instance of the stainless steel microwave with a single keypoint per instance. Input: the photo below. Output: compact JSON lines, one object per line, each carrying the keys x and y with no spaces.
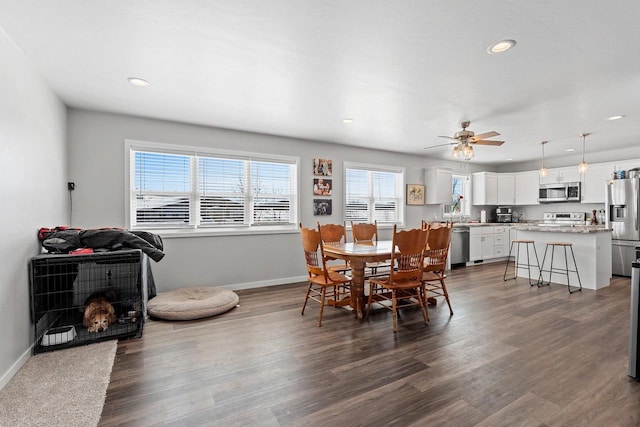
{"x":559,"y":192}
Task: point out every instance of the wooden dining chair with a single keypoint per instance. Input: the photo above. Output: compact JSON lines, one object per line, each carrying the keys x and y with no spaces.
{"x":430,"y":225}
{"x":435,"y":262}
{"x":403,"y":286}
{"x":334,"y":234}
{"x":320,"y":278}
{"x":367,"y":233}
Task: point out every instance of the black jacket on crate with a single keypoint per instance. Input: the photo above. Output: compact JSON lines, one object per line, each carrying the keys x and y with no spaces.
{"x":65,"y":240}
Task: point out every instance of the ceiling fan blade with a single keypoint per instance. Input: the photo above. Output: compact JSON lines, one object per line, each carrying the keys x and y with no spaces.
{"x":448,"y":137}
{"x":441,"y":145}
{"x":483,"y":136}
{"x":486,"y":142}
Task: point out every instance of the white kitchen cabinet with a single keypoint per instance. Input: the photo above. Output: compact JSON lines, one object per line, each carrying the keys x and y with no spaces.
{"x":481,"y":243}
{"x":565,"y":174}
{"x":527,"y":186}
{"x":438,"y":186}
{"x":594,"y":183}
{"x":506,"y":189}
{"x":500,"y":241}
{"x":484,"y":188}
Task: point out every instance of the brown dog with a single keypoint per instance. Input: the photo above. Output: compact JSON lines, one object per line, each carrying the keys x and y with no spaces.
{"x":98,"y":314}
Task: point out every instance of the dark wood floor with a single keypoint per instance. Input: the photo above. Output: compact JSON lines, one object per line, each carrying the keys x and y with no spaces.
{"x":510,"y":355}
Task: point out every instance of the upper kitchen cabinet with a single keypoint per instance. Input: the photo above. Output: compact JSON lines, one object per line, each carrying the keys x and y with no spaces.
{"x":438,"y":183}
{"x":565,"y":174}
{"x":485,"y":188}
{"x":527,"y":185}
{"x":506,"y":189}
{"x":594,"y":188}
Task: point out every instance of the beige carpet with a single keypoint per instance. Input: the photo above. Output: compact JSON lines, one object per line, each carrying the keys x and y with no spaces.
{"x":60,"y":388}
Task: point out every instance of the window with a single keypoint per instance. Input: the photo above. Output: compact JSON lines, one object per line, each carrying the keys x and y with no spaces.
{"x":176,"y":188}
{"x":374,"y":193}
{"x":460,"y":200}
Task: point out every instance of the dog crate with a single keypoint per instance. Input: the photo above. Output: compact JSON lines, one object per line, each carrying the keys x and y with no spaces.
{"x":61,"y":285}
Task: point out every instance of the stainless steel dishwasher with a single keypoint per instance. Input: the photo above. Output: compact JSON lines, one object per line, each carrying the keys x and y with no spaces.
{"x":459,"y":251}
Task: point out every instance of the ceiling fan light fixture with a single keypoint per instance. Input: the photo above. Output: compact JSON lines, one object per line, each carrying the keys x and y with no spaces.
{"x":583,"y":167}
{"x":467,"y":151}
{"x":456,"y":153}
{"x":501,"y":46}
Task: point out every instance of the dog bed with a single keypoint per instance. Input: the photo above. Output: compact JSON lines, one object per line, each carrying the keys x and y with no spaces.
{"x":192,"y":303}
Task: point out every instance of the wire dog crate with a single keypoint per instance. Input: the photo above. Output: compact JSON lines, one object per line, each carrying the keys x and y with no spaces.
{"x":61,"y":285}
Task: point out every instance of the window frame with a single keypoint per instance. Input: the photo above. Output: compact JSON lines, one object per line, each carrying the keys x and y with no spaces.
{"x":400,"y":189}
{"x":466,"y":193}
{"x":194,"y":228}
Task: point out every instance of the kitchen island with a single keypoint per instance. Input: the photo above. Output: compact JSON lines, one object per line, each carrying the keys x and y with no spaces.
{"x":591,"y":245}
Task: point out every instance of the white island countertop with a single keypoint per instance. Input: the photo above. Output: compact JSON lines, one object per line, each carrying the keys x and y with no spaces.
{"x":563,"y":228}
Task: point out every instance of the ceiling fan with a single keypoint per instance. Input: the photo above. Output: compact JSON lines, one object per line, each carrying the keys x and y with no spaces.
{"x":464,"y":140}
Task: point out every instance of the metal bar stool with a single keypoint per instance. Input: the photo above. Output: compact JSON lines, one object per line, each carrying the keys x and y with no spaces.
{"x":558,"y":270}
{"x":517,"y":264}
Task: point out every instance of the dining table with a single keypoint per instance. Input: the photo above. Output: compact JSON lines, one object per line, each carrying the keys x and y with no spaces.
{"x":358,"y":255}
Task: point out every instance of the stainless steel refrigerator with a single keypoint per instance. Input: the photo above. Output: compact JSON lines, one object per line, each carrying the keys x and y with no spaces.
{"x":622,"y":217}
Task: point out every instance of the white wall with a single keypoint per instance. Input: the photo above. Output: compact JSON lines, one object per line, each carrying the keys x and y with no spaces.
{"x":33,"y":176}
{"x":96,"y":154}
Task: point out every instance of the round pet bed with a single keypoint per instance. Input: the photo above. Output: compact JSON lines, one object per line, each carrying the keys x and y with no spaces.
{"x":192,"y":303}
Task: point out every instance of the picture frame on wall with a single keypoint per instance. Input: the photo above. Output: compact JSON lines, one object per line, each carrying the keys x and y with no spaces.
{"x":322,"y":167}
{"x":415,"y":194}
{"x":322,"y":207}
{"x":322,"y":187}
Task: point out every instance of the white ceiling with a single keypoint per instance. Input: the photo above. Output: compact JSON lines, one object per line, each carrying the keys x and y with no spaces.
{"x":405,"y":71}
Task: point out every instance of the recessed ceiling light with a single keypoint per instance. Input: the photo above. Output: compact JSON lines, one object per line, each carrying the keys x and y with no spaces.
{"x":569,"y":149}
{"x":501,"y":46}
{"x":509,"y":159}
{"x":618,"y":117}
{"x":347,"y":121}
{"x":136,"y":81}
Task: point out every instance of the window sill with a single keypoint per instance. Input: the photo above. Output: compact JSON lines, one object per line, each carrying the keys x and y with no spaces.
{"x":211,"y":232}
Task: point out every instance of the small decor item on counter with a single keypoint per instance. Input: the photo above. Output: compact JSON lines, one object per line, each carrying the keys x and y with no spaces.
{"x":594,"y":218}
{"x":619,"y":174}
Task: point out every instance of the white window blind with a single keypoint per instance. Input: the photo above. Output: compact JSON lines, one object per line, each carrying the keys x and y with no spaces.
{"x":373,"y":194}
{"x":162,"y":189}
{"x":205,"y":190}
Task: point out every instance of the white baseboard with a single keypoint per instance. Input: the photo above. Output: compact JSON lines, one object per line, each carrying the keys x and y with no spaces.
{"x":264,"y":283}
{"x":6,"y":377}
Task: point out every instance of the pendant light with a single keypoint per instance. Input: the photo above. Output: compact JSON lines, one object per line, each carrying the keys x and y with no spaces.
{"x":543,"y":171}
{"x":584,"y":166}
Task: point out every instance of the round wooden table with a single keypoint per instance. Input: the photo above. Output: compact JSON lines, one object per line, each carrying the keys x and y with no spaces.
{"x":358,"y":255}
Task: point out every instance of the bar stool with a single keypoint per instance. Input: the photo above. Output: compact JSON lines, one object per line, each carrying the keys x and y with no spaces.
{"x":517,"y":264}
{"x":557,"y":270}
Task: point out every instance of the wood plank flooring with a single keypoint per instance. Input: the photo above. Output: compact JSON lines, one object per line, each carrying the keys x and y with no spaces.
{"x":510,"y":355}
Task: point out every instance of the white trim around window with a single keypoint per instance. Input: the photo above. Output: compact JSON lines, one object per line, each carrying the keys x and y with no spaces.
{"x":374,"y":193}
{"x":177,"y":190}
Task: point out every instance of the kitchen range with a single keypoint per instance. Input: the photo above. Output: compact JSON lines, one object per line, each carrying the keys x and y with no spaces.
{"x":563,"y":219}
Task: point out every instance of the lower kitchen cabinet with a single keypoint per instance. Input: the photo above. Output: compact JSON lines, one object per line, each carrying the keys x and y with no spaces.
{"x":486,"y":242}
{"x":501,"y":241}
